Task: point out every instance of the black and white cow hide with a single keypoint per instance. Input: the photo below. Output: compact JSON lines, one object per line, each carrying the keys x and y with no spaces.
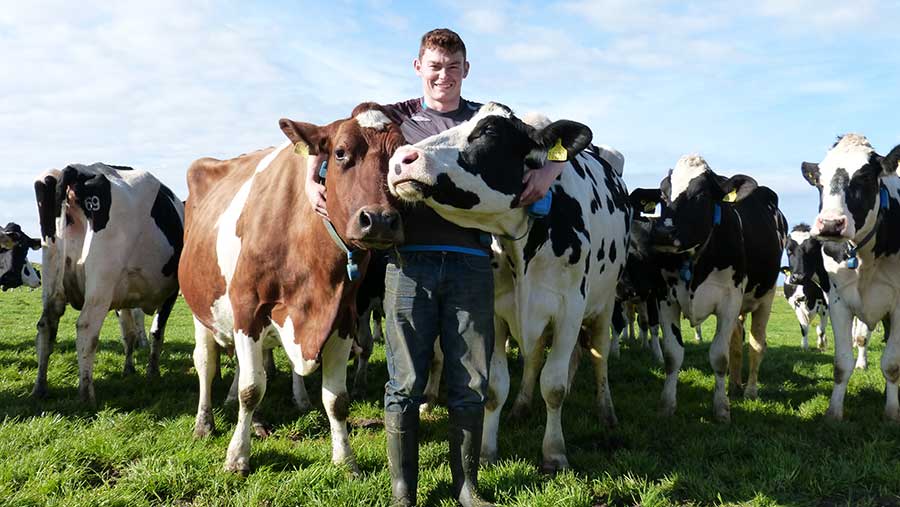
{"x":857,"y":223}
{"x":15,"y":270}
{"x":112,"y":238}
{"x":553,"y":275}
{"x":722,"y":240}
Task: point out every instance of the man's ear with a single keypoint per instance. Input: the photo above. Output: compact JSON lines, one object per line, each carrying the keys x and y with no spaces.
{"x":465,"y":69}
{"x":810,"y":173}
{"x":891,"y":163}
{"x":737,"y":188}
{"x":315,"y":137}
{"x":561,"y":140}
{"x":644,"y":200}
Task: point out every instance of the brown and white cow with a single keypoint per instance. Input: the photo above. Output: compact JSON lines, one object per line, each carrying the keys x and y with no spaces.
{"x":112,"y":238}
{"x":260,"y":267}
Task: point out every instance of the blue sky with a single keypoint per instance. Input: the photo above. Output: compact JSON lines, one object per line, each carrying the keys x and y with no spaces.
{"x":754,"y":87}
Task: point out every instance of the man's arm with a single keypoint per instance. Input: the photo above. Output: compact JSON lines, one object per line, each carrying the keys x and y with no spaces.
{"x":538,"y":181}
{"x":315,"y":190}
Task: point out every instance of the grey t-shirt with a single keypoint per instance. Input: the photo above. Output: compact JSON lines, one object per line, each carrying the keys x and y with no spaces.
{"x":421,"y":224}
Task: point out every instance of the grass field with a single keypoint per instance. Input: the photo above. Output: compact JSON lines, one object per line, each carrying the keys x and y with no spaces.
{"x":136,"y":447}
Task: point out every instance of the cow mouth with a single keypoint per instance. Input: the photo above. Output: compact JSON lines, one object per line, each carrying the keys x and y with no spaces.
{"x":410,"y":189}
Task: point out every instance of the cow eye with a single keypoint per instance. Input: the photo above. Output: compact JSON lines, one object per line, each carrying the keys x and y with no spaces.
{"x":340,"y":154}
{"x":489,"y":131}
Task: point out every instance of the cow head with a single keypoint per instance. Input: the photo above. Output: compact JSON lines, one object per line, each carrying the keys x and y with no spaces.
{"x":804,"y":255}
{"x":848,"y":180}
{"x":472,"y":174}
{"x":690,"y":196}
{"x":358,"y":150}
{"x":15,"y":270}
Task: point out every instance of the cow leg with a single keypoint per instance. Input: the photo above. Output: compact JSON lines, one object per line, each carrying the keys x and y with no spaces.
{"x":532,"y":350}
{"x":251,"y":389}
{"x":736,"y":358}
{"x":758,"y":343}
{"x":87,"y":334}
{"x":205,"y":358}
{"x":139,"y":317}
{"x":434,"y":380}
{"x":673,"y":354}
{"x":269,"y":363}
{"x":803,"y":319}
{"x":599,"y":349}
{"x":336,"y":400}
{"x":157,"y":334}
{"x":861,"y":335}
{"x":47,"y":327}
{"x":726,"y":322}
{"x":618,"y":324}
{"x":643,"y":321}
{"x":890,"y":367}
{"x":653,"y":319}
{"x":498,"y":391}
{"x":301,"y":397}
{"x":363,"y":350}
{"x":822,"y":340}
{"x":232,"y":396}
{"x":554,"y":386}
{"x":841,"y":327}
{"x":128,"y":328}
{"x":629,"y":318}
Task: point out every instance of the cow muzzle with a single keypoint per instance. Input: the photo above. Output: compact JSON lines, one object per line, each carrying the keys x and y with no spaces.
{"x":407,"y":177}
{"x":375,"y":227}
{"x":830,"y":227}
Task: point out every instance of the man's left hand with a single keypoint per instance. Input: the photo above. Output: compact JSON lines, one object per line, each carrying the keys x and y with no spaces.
{"x":538,"y":181}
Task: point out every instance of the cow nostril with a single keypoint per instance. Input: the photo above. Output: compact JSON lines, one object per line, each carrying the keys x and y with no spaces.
{"x":410,"y":157}
{"x":365,"y":220}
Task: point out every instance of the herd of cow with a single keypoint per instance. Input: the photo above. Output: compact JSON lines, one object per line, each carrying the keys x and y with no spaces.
{"x":259,"y":268}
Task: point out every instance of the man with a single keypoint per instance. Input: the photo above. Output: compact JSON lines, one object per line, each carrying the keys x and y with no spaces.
{"x":440,"y":283}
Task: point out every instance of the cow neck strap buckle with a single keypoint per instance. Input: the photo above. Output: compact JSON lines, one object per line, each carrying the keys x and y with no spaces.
{"x":884,"y":202}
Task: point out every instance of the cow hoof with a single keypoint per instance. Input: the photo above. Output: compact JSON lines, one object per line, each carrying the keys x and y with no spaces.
{"x":203,"y":427}
{"x":352,"y":468}
{"x":40,"y":391}
{"x":834,"y":414}
{"x":609,"y":420}
{"x":239,"y":466}
{"x":128,"y":370}
{"x":488,"y":458}
{"x":861,"y":365}
{"x":303,"y":407}
{"x":667,"y":409}
{"x":751,"y":393}
{"x":262,"y":429}
{"x":552,"y":466}
{"x":86,"y":395}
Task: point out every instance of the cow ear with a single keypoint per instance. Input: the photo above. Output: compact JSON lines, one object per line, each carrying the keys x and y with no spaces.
{"x":563,"y":139}
{"x":786,"y":270}
{"x":891,"y":163}
{"x":737,"y":187}
{"x":644,"y":200}
{"x":34,"y":244}
{"x":810,"y":172}
{"x":314,"y":137}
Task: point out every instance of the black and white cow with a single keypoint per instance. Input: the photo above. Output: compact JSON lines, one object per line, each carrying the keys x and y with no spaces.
{"x":15,"y":270}
{"x":112,"y":240}
{"x":858,"y":220}
{"x":721,"y":240}
{"x":552,"y":275}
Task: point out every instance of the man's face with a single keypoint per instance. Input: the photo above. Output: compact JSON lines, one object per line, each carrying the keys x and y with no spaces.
{"x":442,"y":73}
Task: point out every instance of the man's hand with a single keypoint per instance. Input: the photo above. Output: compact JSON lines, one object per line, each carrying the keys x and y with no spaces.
{"x":315,"y":190}
{"x":538,"y":181}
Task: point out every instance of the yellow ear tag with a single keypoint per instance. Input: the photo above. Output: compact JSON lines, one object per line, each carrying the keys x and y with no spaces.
{"x":730,"y":196}
{"x":300,"y":148}
{"x":649,"y":206}
{"x":557,"y":153}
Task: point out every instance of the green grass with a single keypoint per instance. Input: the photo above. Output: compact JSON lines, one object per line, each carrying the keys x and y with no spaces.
{"x":136,"y":448}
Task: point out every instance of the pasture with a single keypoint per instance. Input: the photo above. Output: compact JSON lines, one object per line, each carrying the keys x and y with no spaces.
{"x":136,"y":447}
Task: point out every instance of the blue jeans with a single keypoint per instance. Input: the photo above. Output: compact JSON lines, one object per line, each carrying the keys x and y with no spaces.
{"x":431,"y":294}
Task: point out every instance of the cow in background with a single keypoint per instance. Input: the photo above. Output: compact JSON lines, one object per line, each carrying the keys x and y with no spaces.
{"x":720,"y":241}
{"x":261,"y":268}
{"x":112,"y":239}
{"x":552,"y":275}
{"x":857,"y":223}
{"x":15,"y":270}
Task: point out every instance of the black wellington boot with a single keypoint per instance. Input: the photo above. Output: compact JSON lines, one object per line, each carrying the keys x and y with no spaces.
{"x":402,"y":430}
{"x":465,"y":453}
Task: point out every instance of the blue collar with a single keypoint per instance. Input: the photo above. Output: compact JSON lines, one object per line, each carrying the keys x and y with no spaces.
{"x":717,"y":213}
{"x":884,"y":203}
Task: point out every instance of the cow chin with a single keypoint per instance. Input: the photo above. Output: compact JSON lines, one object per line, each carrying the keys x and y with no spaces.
{"x":410,"y":190}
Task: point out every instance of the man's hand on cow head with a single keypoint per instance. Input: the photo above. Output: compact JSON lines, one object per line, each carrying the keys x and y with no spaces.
{"x":315,"y":188}
{"x":537,"y":182}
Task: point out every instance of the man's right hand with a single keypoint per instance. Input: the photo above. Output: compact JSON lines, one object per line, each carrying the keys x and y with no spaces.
{"x":315,"y":190}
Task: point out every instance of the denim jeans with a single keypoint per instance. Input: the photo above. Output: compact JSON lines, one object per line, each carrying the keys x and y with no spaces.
{"x":431,"y":294}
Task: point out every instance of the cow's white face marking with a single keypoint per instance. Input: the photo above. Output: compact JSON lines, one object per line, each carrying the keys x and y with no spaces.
{"x":373,"y":119}
{"x":687,"y":168}
{"x":800,"y":236}
{"x":841,"y":163}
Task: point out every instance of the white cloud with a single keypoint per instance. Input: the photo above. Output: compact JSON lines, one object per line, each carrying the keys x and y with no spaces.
{"x":839,"y":15}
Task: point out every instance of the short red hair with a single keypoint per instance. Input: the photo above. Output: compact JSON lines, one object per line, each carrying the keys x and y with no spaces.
{"x":442,"y":38}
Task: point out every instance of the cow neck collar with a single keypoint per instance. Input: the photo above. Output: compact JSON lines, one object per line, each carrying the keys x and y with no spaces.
{"x":884,"y":202}
{"x":687,"y":267}
{"x":354,"y":256}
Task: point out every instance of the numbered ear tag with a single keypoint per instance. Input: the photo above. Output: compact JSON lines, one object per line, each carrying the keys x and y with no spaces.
{"x":730,"y":196}
{"x":557,"y":153}
{"x":300,"y":148}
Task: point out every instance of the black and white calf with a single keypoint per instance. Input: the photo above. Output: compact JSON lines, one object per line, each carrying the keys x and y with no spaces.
{"x":552,"y":275}
{"x":721,"y":240}
{"x":15,"y":270}
{"x":858,"y":220}
{"x":112,"y":238}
